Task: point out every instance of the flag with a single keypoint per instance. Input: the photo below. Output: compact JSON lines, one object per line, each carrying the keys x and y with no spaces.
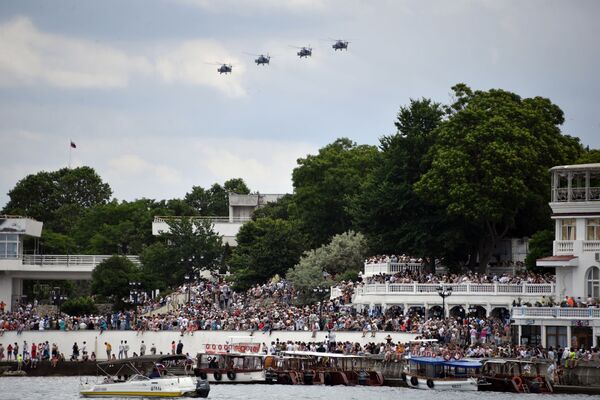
{"x":73,"y":145}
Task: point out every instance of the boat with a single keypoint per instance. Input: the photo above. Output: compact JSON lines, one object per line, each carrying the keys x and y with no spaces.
{"x":516,"y":376}
{"x":437,"y":373}
{"x":230,"y":367}
{"x":320,"y":368}
{"x":146,"y":376}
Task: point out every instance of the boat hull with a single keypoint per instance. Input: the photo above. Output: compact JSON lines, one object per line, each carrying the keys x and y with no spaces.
{"x":164,"y":387}
{"x":461,"y":385}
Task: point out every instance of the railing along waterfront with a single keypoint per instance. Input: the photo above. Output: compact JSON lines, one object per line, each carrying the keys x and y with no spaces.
{"x":555,"y":312}
{"x":70,"y":260}
{"x":469,"y":289}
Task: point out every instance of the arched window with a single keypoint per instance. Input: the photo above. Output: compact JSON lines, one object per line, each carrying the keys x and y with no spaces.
{"x":593,"y":282}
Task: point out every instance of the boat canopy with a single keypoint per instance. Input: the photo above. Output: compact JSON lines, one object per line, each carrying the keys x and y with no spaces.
{"x":319,"y":354}
{"x":441,"y":361}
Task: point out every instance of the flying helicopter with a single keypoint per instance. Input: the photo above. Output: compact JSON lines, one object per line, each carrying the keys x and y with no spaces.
{"x":340,"y":45}
{"x":305,"y":51}
{"x":261,"y":59}
{"x":223,"y":67}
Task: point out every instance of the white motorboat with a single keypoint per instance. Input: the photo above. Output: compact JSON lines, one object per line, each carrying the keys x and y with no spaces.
{"x":434,"y":373}
{"x":128,"y":378}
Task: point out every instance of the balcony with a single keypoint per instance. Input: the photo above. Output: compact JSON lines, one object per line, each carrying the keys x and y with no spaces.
{"x":573,"y":247}
{"x":555,"y":313}
{"x":64,"y":261}
{"x":465,"y":289}
{"x":390,"y":268}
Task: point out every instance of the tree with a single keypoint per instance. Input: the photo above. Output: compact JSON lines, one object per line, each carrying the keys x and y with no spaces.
{"x":214,"y":201}
{"x":236,"y":185}
{"x":540,"y":245}
{"x":58,"y":198}
{"x":491,"y":160}
{"x":192,"y":246}
{"x":265,"y":247}
{"x":79,"y":306}
{"x":343,"y":256}
{"x":394,"y":217}
{"x":280,"y":209}
{"x":325,"y":185}
{"x":111,"y":279}
{"x":589,"y":156}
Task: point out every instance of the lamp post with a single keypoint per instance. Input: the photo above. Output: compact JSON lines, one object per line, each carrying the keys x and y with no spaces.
{"x":319,"y":291}
{"x":135,"y":289}
{"x":57,"y":298}
{"x":189,"y":279}
{"x":444,"y":292}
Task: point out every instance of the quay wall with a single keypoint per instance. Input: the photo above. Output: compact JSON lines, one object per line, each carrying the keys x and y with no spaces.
{"x":191,"y":344}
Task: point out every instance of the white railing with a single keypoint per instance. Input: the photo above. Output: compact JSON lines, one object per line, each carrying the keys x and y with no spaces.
{"x":555,"y":312}
{"x":564,"y":246}
{"x":391,"y":268}
{"x":70,"y":260}
{"x":591,"y":245}
{"x":166,"y":219}
{"x":469,"y":289}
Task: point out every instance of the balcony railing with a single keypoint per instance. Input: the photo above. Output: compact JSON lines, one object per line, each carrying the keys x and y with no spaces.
{"x":555,"y":312}
{"x":467,"y":289}
{"x":166,"y":219}
{"x":391,"y":268}
{"x":577,"y":194}
{"x":570,"y":247}
{"x":70,"y":260}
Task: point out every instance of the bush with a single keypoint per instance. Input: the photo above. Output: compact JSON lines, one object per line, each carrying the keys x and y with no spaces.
{"x":79,"y":306}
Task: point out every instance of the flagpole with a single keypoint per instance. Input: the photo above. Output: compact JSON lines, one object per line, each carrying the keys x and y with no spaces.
{"x":70,"y":150}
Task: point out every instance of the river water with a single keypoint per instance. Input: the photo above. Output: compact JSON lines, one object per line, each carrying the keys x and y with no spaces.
{"x":25,"y":388}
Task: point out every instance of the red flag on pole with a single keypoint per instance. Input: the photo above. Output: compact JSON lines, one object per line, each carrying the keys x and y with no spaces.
{"x":73,"y":145}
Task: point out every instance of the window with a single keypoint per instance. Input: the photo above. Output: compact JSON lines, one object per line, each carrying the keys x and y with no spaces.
{"x":556,"y":336}
{"x":593,"y":282}
{"x":568,"y":229}
{"x":593,"y":229}
{"x":9,"y":246}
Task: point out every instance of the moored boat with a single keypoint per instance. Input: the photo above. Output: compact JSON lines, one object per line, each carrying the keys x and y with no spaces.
{"x":436,"y":373}
{"x":516,"y":376}
{"x":126,"y":378}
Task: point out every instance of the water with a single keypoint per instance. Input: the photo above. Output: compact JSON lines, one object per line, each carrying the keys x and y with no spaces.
{"x":25,"y":388}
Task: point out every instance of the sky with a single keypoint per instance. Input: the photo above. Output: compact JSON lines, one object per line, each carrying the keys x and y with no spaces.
{"x":133,"y":83}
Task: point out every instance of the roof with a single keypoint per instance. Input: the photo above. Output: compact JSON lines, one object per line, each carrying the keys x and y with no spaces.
{"x":558,"y":261}
{"x":441,"y":361}
{"x":318,"y":354}
{"x":575,"y":167}
{"x":144,"y":359}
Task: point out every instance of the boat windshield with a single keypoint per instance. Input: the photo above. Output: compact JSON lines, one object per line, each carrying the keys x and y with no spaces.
{"x":138,"y":378}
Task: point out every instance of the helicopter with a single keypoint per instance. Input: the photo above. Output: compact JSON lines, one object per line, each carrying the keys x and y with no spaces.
{"x":223,"y":68}
{"x":304,"y":51}
{"x":340,"y":45}
{"x":261,"y":58}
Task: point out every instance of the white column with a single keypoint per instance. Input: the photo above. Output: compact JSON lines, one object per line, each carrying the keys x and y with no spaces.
{"x":543,"y":335}
{"x":6,"y":290}
{"x":569,"y":338}
{"x":520,"y":333}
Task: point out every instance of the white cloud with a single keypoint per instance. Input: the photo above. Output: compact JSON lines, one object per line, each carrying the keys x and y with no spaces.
{"x":187,"y":63}
{"x":131,"y":167}
{"x":252,"y":6}
{"x":30,"y":57}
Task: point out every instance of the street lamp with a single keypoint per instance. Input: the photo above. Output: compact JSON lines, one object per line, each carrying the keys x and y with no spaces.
{"x":135,"y":289}
{"x":57,"y":298}
{"x":444,"y":292}
{"x":189,"y":279}
{"x":319,"y":291}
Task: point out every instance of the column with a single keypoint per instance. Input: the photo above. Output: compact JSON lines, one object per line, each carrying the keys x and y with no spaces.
{"x":595,"y":334}
{"x":520,"y":333}
{"x":543,"y":335}
{"x":569,"y":338}
{"x":6,"y":290}
{"x":426,"y":305}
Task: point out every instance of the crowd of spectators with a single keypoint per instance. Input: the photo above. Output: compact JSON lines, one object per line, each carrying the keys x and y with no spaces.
{"x":410,"y":276}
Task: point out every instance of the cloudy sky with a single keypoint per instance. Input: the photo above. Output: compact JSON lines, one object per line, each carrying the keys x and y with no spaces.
{"x":130,"y":82}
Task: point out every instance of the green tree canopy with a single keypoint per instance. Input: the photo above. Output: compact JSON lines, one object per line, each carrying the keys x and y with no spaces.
{"x":589,"y":156}
{"x":540,"y":245}
{"x":491,"y":160}
{"x":265,"y":247}
{"x":215,"y":200}
{"x":58,"y":198}
{"x":111,"y":279}
{"x":325,"y":185}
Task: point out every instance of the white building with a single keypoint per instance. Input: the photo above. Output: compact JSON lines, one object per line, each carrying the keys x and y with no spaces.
{"x":575,"y":203}
{"x":241,"y":207}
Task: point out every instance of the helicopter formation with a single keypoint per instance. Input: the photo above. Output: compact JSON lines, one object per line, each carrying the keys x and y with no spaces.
{"x":262,"y":59}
